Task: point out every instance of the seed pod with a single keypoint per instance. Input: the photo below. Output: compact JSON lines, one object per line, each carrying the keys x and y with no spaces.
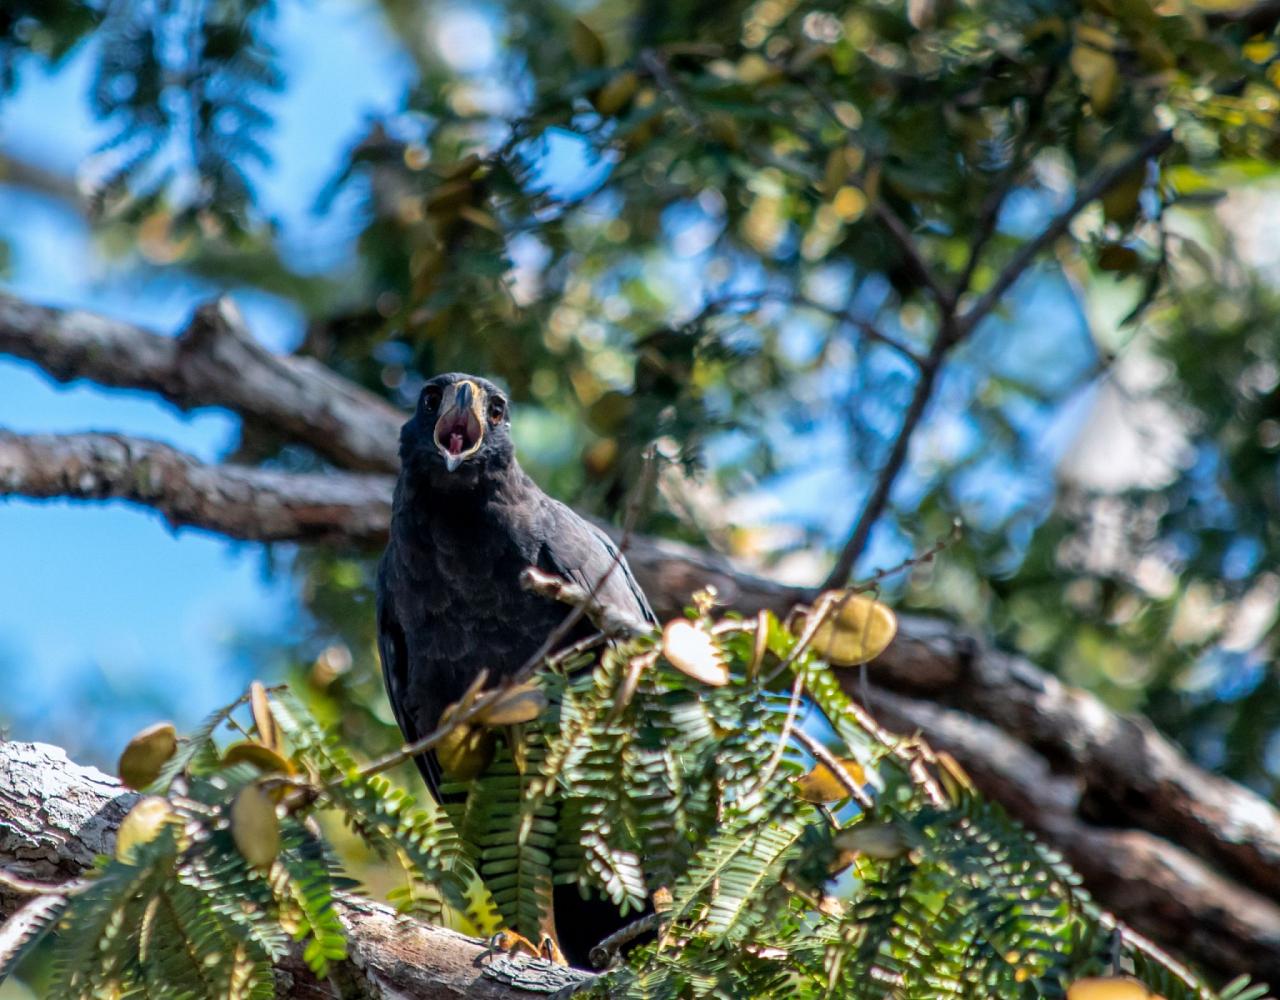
{"x":522,"y":703}
{"x":262,"y":757}
{"x":146,"y":754}
{"x":856,"y":629}
{"x":615,"y":95}
{"x":1109,"y":988}
{"x":142,"y":825}
{"x":255,"y":827}
{"x":465,"y":751}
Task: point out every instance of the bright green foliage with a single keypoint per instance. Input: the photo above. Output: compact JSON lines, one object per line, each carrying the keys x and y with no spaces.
{"x":639,"y":782}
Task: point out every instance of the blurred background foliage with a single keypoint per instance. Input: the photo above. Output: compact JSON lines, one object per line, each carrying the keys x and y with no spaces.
{"x":667,"y":220}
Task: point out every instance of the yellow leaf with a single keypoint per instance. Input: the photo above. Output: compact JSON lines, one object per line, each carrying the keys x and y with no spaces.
{"x":465,"y":751}
{"x":694,"y":653}
{"x":1120,"y":201}
{"x":857,"y":628}
{"x":615,"y":95}
{"x":522,"y":703}
{"x":479,"y":217}
{"x":821,"y":784}
{"x":146,"y":754}
{"x":141,"y":825}
{"x":849,"y":203}
{"x":463,"y":168}
{"x":882,"y":841}
{"x":1095,"y":68}
{"x":587,"y":46}
{"x":262,"y":757}
{"x":254,"y":826}
{"x":609,"y":413}
{"x":1108,"y":988}
{"x":754,"y":69}
{"x":268,"y":731}
{"x":448,"y":197}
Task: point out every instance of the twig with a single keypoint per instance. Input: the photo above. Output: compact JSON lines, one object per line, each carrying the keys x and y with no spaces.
{"x":793,"y":709}
{"x":610,"y":621}
{"x":871,"y":582}
{"x":907,"y":244}
{"x":841,"y":315}
{"x":32,"y":887}
{"x":826,"y":757}
{"x":954,"y":329}
{"x":602,"y":954}
{"x":990,"y":215}
{"x":1027,"y":253}
{"x":875,"y":504}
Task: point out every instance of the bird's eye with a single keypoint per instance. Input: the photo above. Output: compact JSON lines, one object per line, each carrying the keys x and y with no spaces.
{"x":431,"y":396}
{"x":497,"y":409}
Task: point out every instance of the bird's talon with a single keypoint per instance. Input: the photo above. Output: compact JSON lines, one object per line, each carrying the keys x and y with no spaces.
{"x":549,"y":949}
{"x":508,"y":942}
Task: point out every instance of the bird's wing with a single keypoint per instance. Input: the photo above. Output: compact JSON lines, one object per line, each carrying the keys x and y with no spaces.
{"x":577,"y":549}
{"x":393,"y":651}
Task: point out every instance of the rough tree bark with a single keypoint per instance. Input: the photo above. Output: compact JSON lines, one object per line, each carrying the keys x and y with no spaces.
{"x":1181,"y":854}
{"x":55,"y":816}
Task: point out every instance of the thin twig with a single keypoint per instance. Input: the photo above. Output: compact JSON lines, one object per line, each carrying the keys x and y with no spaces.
{"x":31,"y":887}
{"x":879,"y":497}
{"x":1018,"y":160}
{"x":1029,"y":251}
{"x":841,"y":315}
{"x":793,"y":709}
{"x":827,"y":758}
{"x":874,"y":580}
{"x":954,"y":329}
{"x":907,"y":244}
{"x":602,"y":954}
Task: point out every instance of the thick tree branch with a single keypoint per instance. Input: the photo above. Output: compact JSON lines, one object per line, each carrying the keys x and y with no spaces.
{"x":56,"y":815}
{"x":215,"y":361}
{"x":1153,"y":885}
{"x":1131,"y":771}
{"x":1131,"y":775}
{"x":1128,"y":772}
{"x":252,"y":504}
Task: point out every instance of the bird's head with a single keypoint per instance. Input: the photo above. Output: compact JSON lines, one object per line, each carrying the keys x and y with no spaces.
{"x":459,"y":433}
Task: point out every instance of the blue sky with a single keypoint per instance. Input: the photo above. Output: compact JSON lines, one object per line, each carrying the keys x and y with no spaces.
{"x":106,"y":598}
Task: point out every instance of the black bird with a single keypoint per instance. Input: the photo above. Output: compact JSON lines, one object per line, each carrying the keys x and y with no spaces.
{"x":466,"y":521}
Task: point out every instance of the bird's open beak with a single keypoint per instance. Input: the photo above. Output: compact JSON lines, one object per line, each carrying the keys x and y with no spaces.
{"x":460,"y":429}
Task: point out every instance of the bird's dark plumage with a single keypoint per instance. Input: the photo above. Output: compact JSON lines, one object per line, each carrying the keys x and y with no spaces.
{"x":466,"y":521}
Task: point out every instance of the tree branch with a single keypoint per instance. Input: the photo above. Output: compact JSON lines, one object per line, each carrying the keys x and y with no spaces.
{"x":1157,"y":887}
{"x":1128,"y":772}
{"x":907,"y":244}
{"x":251,"y":504}
{"x":215,"y":361}
{"x":55,"y":816}
{"x":893,"y":464}
{"x":953,"y":329}
{"x":1131,"y":774}
{"x":1029,"y":251}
